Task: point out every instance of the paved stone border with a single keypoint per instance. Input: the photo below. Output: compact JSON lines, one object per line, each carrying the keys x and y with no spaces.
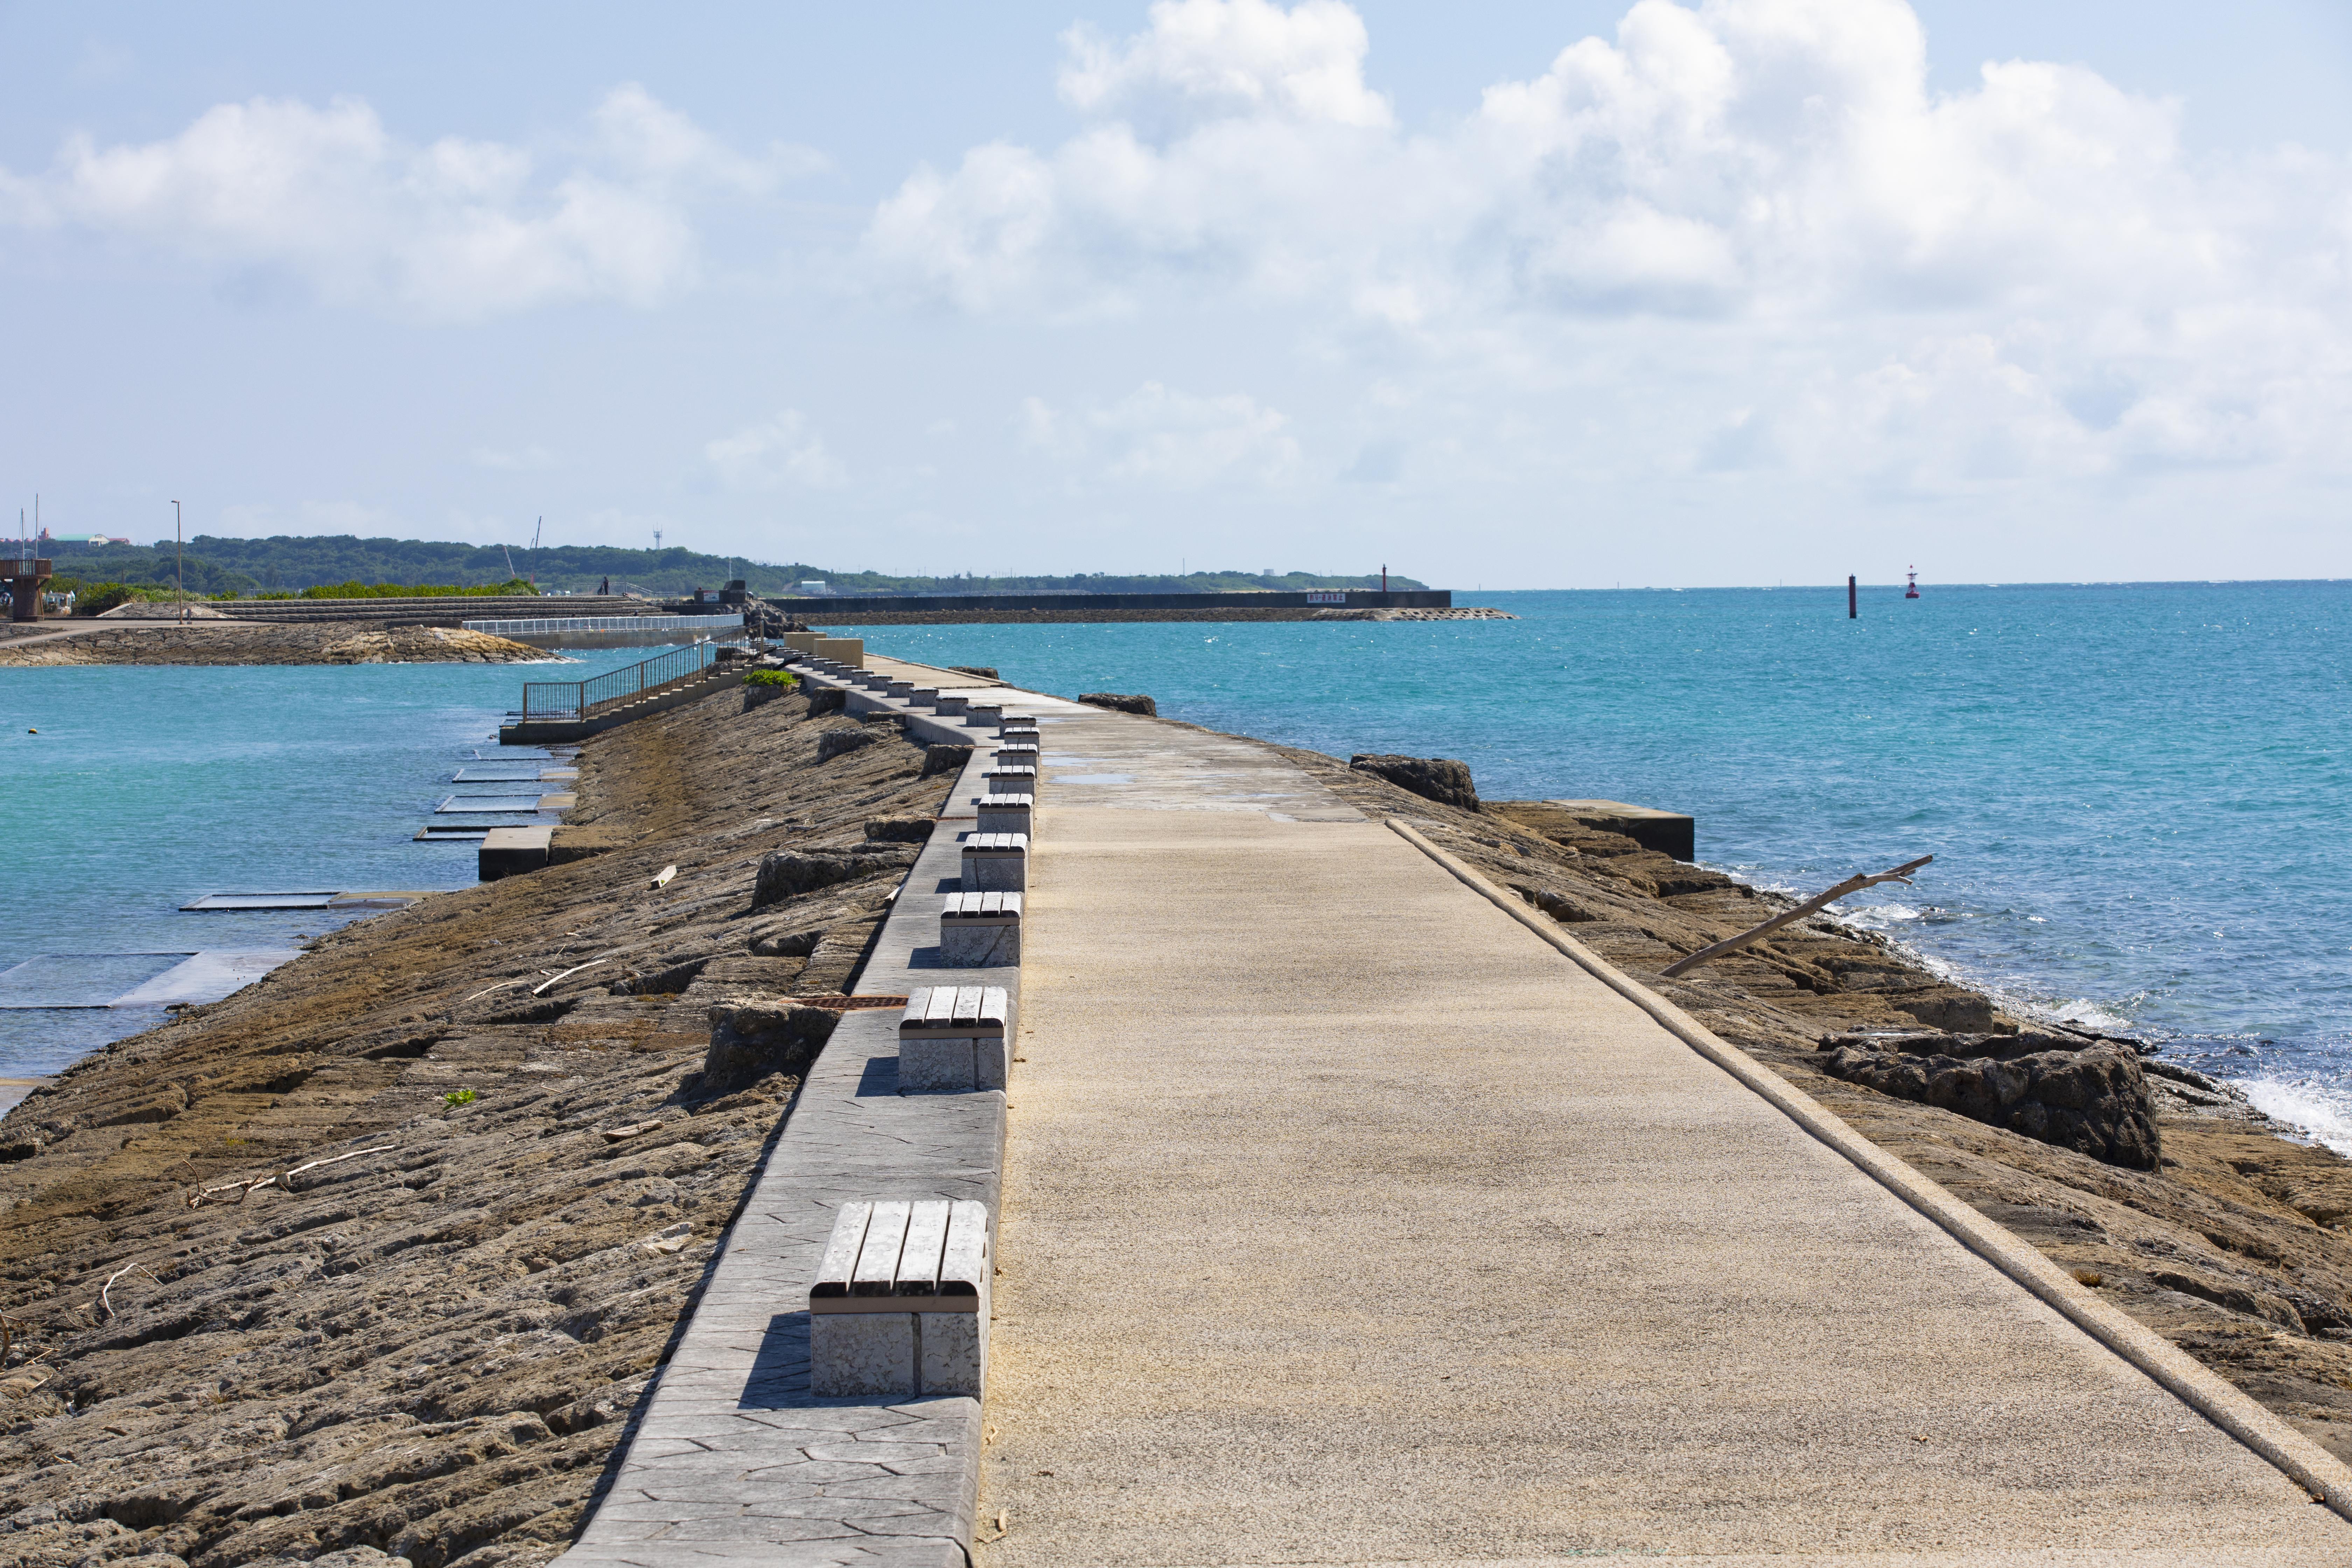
{"x":2304,"y":1462}
{"x":734,"y":1460}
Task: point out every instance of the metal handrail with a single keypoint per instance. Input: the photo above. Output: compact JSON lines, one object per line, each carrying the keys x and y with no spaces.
{"x":552,"y":700}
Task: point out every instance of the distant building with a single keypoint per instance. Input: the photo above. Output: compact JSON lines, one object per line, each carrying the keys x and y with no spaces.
{"x":812,"y":586}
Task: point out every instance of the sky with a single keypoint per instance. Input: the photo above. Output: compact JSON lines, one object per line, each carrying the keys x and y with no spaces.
{"x":1564,"y":294}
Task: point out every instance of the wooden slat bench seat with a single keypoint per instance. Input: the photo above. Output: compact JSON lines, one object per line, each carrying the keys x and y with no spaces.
{"x":996,"y":863}
{"x":1006,"y":813}
{"x":979,"y":929}
{"x":1009,"y":778}
{"x":951,"y":1039}
{"x":901,"y":1302}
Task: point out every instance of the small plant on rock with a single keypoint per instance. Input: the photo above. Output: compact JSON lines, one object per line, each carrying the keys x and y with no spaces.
{"x":459,"y":1097}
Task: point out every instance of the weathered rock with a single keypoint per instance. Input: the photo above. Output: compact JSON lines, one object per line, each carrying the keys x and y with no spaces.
{"x":2091,"y":1099}
{"x":1124,"y":704}
{"x":985,"y":672}
{"x":899,"y":830}
{"x":827,"y":700}
{"x":789,"y":873}
{"x":945,"y":760}
{"x":747,"y":1043}
{"x":841,"y":743}
{"x":1441,"y":779}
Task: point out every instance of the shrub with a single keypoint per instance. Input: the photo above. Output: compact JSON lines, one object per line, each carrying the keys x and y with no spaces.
{"x":512,"y":586}
{"x":771,"y":678}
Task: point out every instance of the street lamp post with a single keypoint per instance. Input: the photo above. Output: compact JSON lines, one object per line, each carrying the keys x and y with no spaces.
{"x":179,"y":566}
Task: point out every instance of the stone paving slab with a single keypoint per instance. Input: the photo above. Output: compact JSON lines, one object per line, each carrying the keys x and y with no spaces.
{"x":734,"y":1460}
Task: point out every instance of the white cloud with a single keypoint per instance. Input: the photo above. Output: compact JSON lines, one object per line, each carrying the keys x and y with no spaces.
{"x":776,"y":454}
{"x":1738,"y":204}
{"x":1167,"y":439}
{"x":454,"y":230}
{"x":1206,"y":56}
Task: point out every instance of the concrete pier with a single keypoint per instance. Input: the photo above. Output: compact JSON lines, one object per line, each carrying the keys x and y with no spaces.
{"x":1344,"y":1215}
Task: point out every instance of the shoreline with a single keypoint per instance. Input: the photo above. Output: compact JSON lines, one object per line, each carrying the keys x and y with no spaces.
{"x":225,"y":642}
{"x":523,"y":1214}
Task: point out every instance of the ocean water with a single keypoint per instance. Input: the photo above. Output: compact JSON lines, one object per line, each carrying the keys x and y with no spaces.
{"x":2138,"y":797}
{"x":147,"y":787}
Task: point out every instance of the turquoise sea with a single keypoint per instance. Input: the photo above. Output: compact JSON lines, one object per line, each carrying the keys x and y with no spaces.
{"x":147,"y":787}
{"x":2137,"y":795}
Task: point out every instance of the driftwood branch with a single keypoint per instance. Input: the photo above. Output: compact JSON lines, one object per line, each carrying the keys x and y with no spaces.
{"x":282,"y":1180}
{"x":1817,"y":901}
{"x":570,"y":972}
{"x":107,"y":1305}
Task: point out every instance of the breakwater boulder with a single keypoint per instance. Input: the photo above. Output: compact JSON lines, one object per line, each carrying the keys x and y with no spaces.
{"x":1441,"y":779}
{"x":789,"y":873}
{"x":750,"y":1043}
{"x":840,"y":742}
{"x":985,"y":672}
{"x":1125,"y":704}
{"x":2090,"y":1096}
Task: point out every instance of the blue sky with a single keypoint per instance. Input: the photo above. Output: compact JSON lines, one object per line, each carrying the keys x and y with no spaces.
{"x":1560,"y":295}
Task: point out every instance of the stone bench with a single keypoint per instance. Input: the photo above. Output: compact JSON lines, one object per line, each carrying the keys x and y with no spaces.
{"x":1009,"y":778}
{"x":951,"y":1041}
{"x":900,"y":1302}
{"x":1012,"y":734}
{"x":996,"y":863}
{"x":951,"y":707}
{"x":1019,"y":751}
{"x":982,"y":715}
{"x":1006,"y":813}
{"x":902,"y":689}
{"x":924,"y":696}
{"x":979,"y":931}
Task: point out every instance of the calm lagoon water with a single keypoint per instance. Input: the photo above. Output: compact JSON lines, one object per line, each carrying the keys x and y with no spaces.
{"x":2137,"y":795}
{"x":147,"y":787}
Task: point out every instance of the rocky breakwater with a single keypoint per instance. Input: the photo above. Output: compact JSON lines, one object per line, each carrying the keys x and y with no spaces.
{"x":2156,"y":1186}
{"x":236,"y":642}
{"x":380,"y":1255}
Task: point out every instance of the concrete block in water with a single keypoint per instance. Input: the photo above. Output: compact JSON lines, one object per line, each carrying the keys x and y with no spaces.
{"x":1667,"y":832}
{"x":510,"y":851}
{"x":981,"y":930}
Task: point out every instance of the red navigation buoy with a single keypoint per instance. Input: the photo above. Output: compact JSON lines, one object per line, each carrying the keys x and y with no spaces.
{"x":1913,"y":591}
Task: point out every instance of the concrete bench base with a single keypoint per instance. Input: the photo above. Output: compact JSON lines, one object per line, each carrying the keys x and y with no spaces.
{"x":951,"y":1041}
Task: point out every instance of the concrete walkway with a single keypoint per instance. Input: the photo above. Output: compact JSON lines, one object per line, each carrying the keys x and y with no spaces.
{"x":1345,"y":1221}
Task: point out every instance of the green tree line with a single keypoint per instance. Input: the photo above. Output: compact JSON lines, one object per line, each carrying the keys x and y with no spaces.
{"x":247,"y":567}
